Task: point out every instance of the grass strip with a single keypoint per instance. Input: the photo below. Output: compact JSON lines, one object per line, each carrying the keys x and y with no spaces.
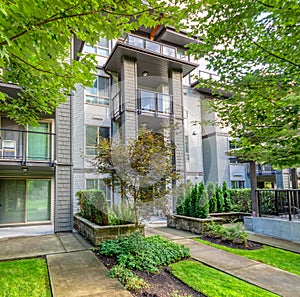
{"x":26,"y":278}
{"x":275,"y":257}
{"x":214,"y":283}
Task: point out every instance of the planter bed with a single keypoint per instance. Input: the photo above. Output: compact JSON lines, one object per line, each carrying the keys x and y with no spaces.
{"x":96,"y":233}
{"x":227,"y":217}
{"x":193,"y":225}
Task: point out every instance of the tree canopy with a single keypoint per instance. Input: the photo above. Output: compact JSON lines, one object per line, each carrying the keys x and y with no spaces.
{"x":254,"y":47}
{"x":35,"y":45}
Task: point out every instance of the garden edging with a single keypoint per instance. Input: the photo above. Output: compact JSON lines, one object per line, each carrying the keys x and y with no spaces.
{"x":96,"y":233}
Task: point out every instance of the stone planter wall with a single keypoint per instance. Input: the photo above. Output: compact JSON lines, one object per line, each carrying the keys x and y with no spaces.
{"x":97,"y":233}
{"x":193,"y":225}
{"x":228,"y":217}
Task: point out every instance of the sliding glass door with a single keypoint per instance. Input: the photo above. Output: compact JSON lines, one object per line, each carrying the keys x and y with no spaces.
{"x":25,"y":201}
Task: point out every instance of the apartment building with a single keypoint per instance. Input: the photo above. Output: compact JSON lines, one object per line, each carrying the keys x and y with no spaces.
{"x":142,"y":79}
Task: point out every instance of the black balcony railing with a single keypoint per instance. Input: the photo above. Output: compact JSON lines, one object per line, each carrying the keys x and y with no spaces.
{"x":27,"y":146}
{"x":154,"y":47}
{"x":265,"y":169}
{"x":149,"y":101}
{"x":282,"y":203}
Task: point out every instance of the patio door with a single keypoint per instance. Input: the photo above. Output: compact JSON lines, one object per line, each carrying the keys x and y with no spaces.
{"x":25,"y":201}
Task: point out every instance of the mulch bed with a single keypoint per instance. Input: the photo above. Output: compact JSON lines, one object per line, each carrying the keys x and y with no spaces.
{"x":164,"y":284}
{"x":251,"y":245}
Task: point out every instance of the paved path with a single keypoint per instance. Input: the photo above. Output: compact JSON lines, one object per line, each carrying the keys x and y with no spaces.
{"x":275,"y":280}
{"x":73,"y":268}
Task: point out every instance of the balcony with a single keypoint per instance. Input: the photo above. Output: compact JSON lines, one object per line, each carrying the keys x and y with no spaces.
{"x":265,"y":170}
{"x":26,"y":147}
{"x":148,"y":102}
{"x":154,"y":102}
{"x":154,"y":57}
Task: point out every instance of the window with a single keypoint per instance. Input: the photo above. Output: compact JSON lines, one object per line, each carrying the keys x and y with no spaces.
{"x":186,"y":148}
{"x":98,"y":184}
{"x":237,"y":184}
{"x":92,"y":134}
{"x":100,"y":48}
{"x":99,"y":93}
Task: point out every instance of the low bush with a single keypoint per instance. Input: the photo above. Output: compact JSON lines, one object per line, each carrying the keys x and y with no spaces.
{"x":128,"y":278}
{"x":93,"y":206}
{"x":234,"y":233}
{"x":143,"y":253}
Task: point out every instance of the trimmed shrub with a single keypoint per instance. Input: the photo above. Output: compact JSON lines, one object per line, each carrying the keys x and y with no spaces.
{"x":227,"y":197}
{"x":212,"y":197}
{"x":195,"y":204}
{"x":93,"y":206}
{"x":219,"y":198}
{"x":241,"y":200}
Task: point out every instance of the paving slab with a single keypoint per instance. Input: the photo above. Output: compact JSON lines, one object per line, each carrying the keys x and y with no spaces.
{"x":275,"y":242}
{"x":81,"y":274}
{"x":70,"y":242}
{"x":27,"y":247}
{"x":170,"y":233}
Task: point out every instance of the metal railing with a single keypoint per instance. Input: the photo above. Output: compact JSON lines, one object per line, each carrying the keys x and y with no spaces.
{"x":281,"y":203}
{"x":150,"y":101}
{"x":153,"y":46}
{"x":24,"y":146}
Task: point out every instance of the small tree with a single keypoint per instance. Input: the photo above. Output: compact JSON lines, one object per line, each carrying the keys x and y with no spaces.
{"x":227,"y":197}
{"x":219,"y":198}
{"x":212,"y":197}
{"x":141,"y":169}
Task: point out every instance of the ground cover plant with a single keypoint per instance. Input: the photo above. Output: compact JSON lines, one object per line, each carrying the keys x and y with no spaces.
{"x":275,"y":257}
{"x":143,"y":253}
{"x":235,"y":233}
{"x":26,"y":278}
{"x":214,"y":283}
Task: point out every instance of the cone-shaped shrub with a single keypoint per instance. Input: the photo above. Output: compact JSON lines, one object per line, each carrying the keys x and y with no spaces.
{"x":220,"y":198}
{"x":212,"y":197}
{"x":227,"y":197}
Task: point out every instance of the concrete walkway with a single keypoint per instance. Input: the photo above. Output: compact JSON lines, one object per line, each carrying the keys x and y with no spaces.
{"x":73,"y":268}
{"x":275,"y":280}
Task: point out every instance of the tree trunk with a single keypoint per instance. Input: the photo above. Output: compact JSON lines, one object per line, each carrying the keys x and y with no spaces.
{"x":253,"y":185}
{"x":294,"y":178}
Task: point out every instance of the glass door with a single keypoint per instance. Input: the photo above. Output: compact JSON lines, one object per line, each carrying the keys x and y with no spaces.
{"x":25,"y":201}
{"x":12,"y":201}
{"x":39,"y":142}
{"x":38,"y":200}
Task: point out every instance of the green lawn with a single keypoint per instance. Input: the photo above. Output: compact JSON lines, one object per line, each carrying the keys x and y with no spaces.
{"x":26,"y":278}
{"x":281,"y":259}
{"x":214,"y":283}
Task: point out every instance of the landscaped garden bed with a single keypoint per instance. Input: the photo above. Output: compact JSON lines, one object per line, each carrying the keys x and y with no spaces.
{"x":156,"y":267}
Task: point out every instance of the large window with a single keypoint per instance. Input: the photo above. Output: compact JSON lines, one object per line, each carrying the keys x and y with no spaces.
{"x":98,"y":184}
{"x":92,"y":134}
{"x":99,"y":93}
{"x":100,"y":48}
{"x":25,"y":201}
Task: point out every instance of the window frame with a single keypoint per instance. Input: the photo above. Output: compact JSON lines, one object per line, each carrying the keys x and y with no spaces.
{"x":98,"y":134}
{"x":97,"y":96}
